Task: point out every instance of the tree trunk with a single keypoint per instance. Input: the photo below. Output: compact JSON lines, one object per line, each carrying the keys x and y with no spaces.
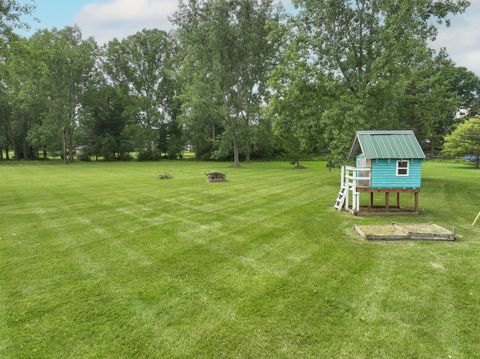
{"x":11,"y":140}
{"x":247,"y":140}
{"x":44,"y":154}
{"x":25,"y":149}
{"x":64,"y":138}
{"x":7,"y":151}
{"x":70,"y":144}
{"x":17,"y":154}
{"x":236,"y":157}
{"x":1,"y":153}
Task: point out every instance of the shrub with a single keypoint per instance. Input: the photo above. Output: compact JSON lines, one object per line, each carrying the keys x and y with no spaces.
{"x":216,"y":176}
{"x":149,"y":156}
{"x":126,"y":156}
{"x":465,"y":141}
{"x":84,"y":156}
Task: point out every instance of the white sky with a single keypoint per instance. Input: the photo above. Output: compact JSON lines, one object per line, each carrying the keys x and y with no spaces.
{"x":462,"y":39}
{"x":119,"y":18}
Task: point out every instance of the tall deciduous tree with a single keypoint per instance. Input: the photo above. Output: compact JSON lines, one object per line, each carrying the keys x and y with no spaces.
{"x":228,"y":49}
{"x":11,"y":12}
{"x":4,"y":124}
{"x":298,"y":100}
{"x":140,"y":65}
{"x":23,"y":72}
{"x":466,"y":85}
{"x":103,"y":125}
{"x":372,"y":57}
{"x":70,"y":66}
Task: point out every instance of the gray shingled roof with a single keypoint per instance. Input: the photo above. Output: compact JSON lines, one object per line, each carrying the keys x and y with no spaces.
{"x":387,"y":144}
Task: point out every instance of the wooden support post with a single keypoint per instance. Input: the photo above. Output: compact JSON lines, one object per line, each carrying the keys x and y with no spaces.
{"x":398,"y":199}
{"x":416,"y":201}
{"x":347,"y":188}
{"x":371,"y":199}
{"x":342,"y":176}
{"x":354,"y":195}
{"x":387,"y":198}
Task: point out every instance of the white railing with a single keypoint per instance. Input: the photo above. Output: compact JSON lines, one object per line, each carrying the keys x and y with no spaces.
{"x":351,"y":178}
{"x":353,"y":173}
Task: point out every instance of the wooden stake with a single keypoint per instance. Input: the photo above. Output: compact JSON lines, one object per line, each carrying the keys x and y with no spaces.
{"x":476,"y":219}
{"x":398,"y":199}
{"x":416,"y":201}
{"x":371,"y":199}
{"x":387,"y":197}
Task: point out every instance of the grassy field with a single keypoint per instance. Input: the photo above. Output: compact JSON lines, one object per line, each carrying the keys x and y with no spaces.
{"x":103,"y":260}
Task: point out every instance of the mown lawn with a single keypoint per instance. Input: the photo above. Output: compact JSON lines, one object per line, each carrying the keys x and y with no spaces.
{"x":103,"y":260}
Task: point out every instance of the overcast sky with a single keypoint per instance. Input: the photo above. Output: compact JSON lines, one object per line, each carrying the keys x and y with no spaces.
{"x":106,"y":19}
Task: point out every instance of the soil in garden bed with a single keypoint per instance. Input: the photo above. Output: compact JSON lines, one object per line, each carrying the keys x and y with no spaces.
{"x":397,"y":231}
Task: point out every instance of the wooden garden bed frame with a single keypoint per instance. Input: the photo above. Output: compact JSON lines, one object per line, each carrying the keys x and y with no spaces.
{"x":398,"y":231}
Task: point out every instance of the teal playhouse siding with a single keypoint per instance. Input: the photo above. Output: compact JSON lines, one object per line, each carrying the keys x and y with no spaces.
{"x":384,"y":174}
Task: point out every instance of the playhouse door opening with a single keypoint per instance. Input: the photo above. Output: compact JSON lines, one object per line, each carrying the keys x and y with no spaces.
{"x":363,"y":163}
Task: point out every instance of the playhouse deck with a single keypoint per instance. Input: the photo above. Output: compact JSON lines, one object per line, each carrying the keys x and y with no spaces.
{"x":392,"y":202}
{"x":382,"y":211}
{"x":357,"y":180}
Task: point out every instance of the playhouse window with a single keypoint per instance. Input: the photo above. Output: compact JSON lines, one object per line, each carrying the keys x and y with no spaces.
{"x":402,"y":168}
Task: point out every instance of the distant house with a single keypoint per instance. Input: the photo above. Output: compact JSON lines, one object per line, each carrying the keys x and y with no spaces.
{"x":79,"y":150}
{"x":387,"y":162}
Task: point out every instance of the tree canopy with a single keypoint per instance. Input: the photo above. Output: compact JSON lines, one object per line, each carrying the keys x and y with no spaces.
{"x":11,"y":12}
{"x":465,"y":140}
{"x":227,"y":49}
{"x":234,"y":79}
{"x":370,"y":67}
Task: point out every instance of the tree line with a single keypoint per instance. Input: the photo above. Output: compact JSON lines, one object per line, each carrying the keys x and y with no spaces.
{"x":234,"y":79}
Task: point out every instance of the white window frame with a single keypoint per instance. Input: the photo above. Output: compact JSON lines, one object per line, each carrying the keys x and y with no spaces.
{"x":407,"y":168}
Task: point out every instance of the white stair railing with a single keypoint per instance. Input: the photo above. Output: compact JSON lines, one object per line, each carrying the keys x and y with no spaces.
{"x":349,"y":182}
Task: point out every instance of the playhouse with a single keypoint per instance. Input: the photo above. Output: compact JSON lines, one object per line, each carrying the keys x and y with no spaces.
{"x":387,"y":162}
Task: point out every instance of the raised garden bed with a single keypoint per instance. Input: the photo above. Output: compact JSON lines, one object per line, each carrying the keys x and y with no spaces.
{"x":396,"y":231}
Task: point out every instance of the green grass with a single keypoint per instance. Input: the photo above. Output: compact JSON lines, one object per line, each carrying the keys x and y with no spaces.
{"x":103,"y":260}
